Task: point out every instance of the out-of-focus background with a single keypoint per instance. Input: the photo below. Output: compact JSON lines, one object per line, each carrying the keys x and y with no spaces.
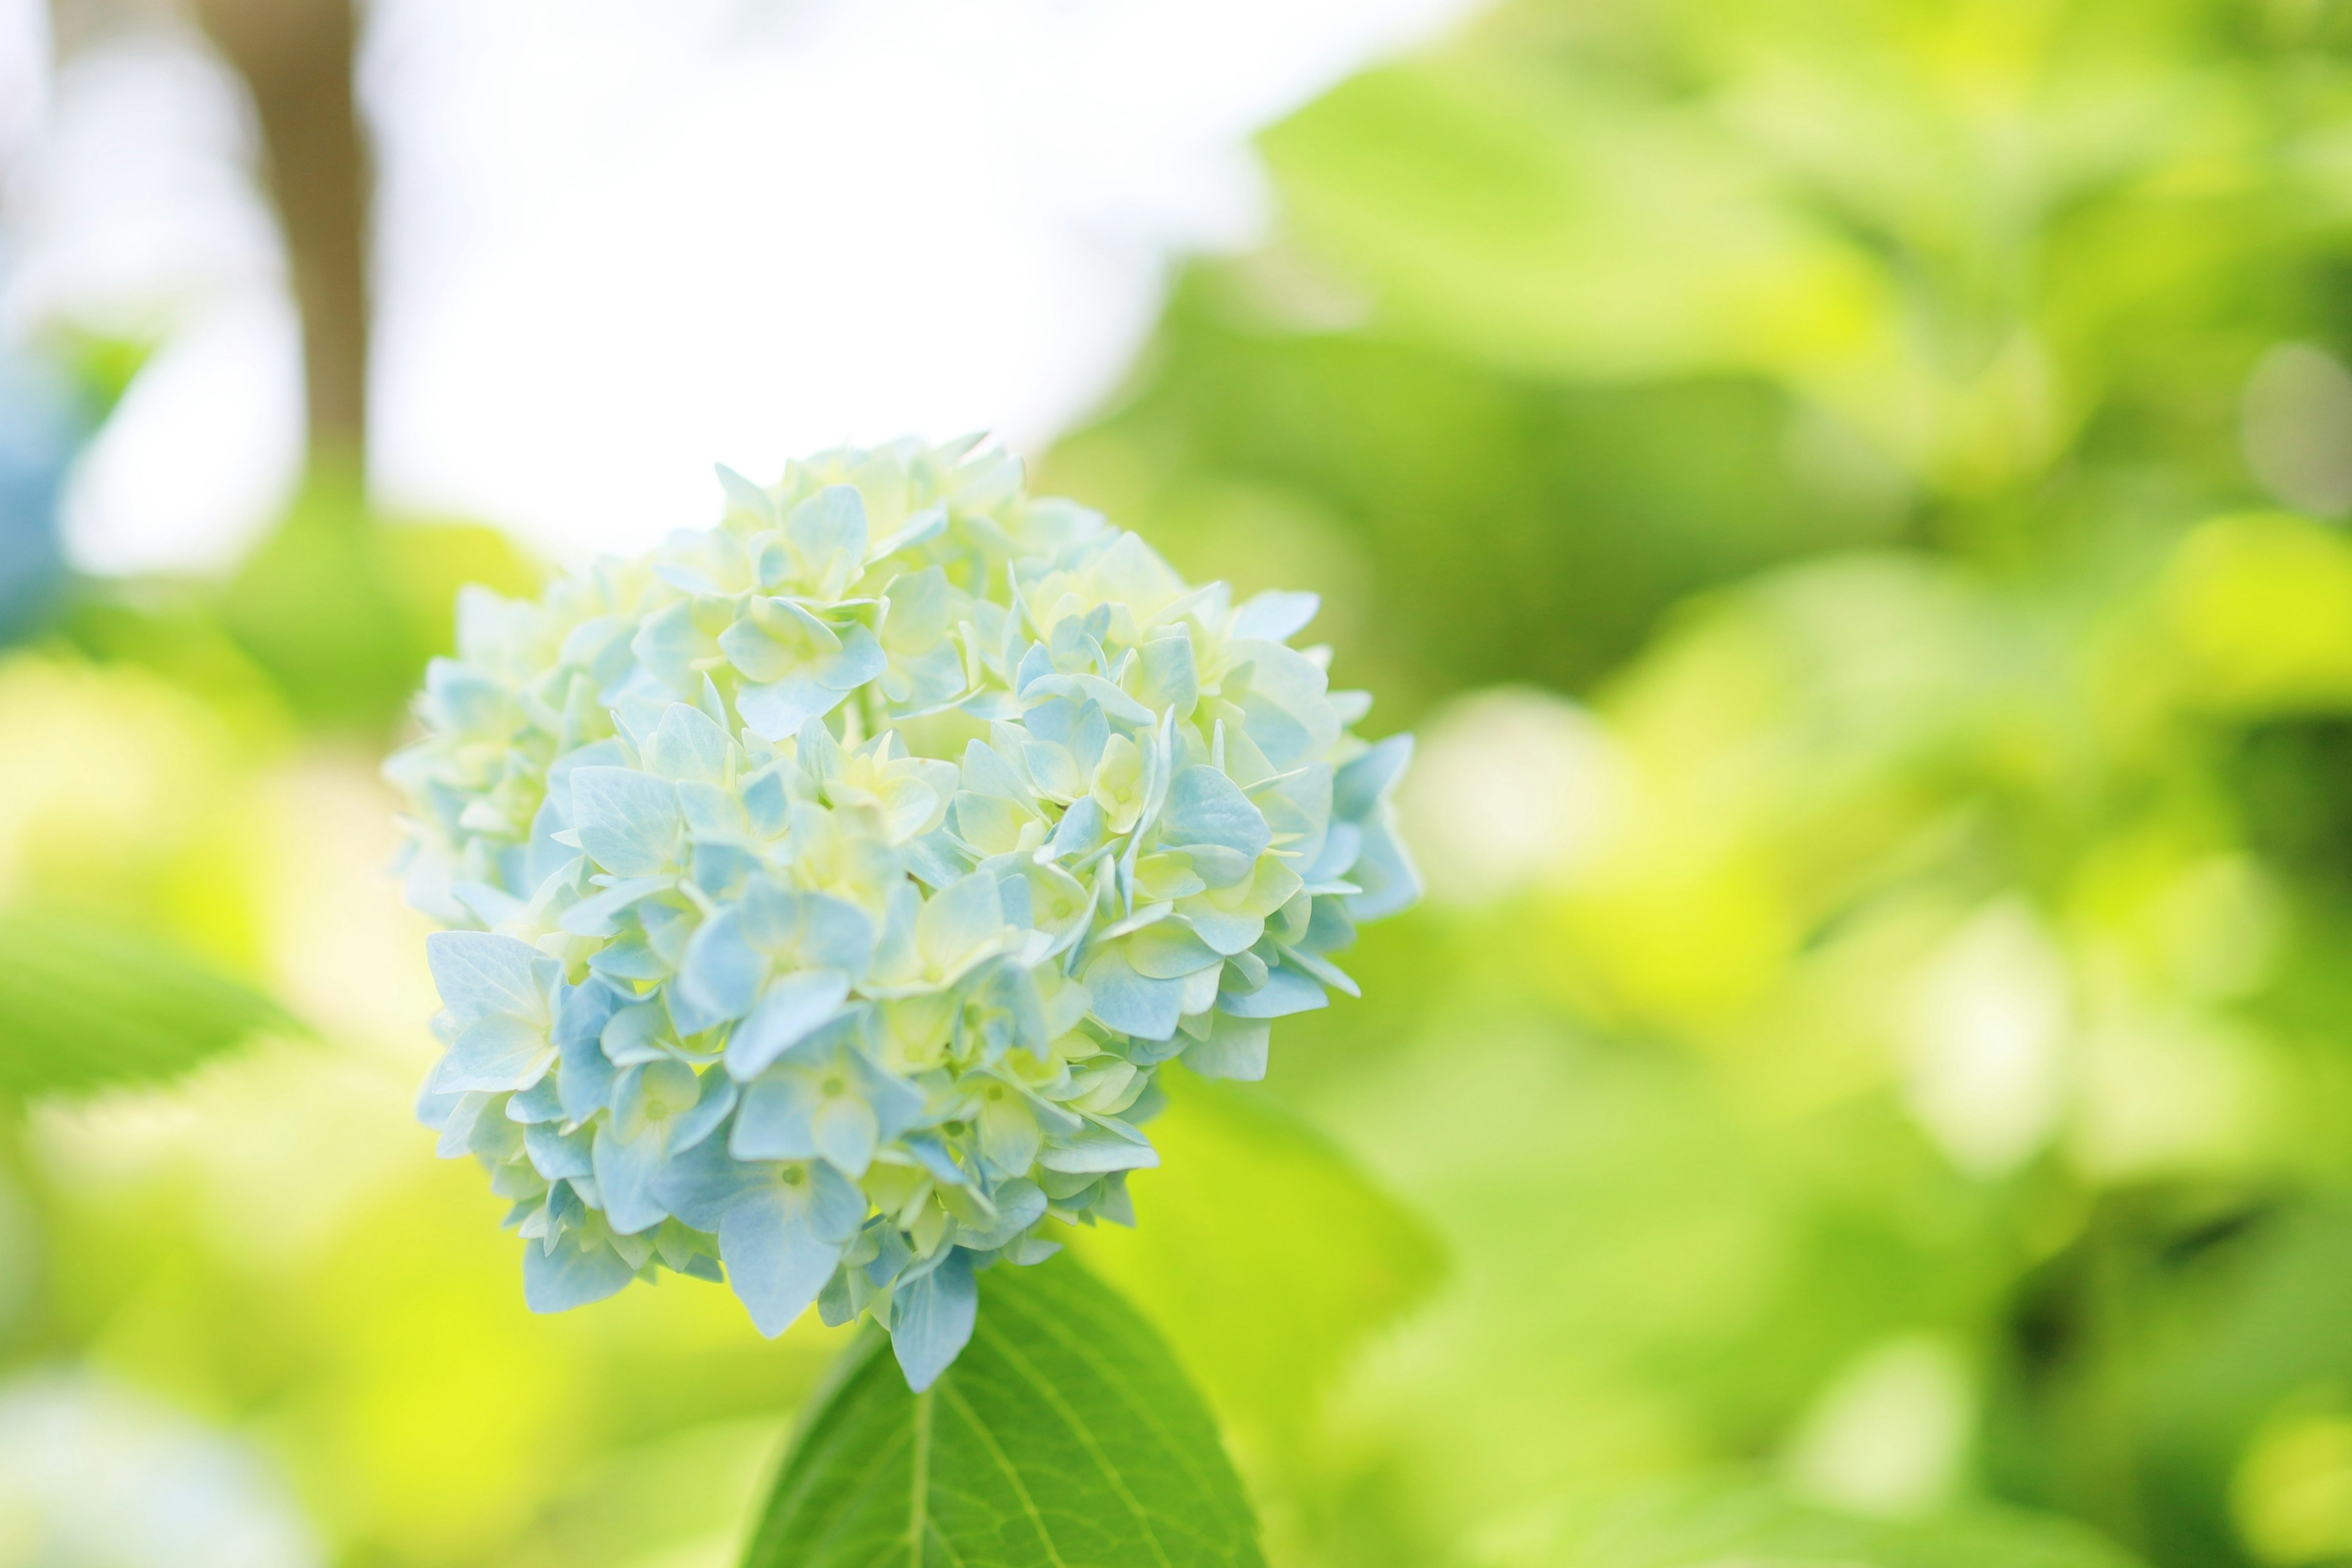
{"x":1850,"y":493}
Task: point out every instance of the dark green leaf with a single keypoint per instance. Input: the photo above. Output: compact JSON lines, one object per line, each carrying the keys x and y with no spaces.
{"x":1064,"y":1437}
{"x":84,"y":1005}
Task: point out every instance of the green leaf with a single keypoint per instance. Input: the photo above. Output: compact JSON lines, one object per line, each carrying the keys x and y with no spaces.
{"x":1711,"y":1524}
{"x":1262,"y":1252}
{"x":1064,"y":1437}
{"x":85,"y":1005}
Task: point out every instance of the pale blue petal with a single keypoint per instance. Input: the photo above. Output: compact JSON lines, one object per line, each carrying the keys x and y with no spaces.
{"x":1171,"y":678}
{"x":860,"y":660}
{"x":1287,"y":714}
{"x":779,"y":708}
{"x":668,"y":645}
{"x":1037,"y":665}
{"x":895,"y":954}
{"x":790,"y":1010}
{"x":835,"y":934}
{"x":847,"y":1132}
{"x":1342,"y":843}
{"x":744,"y":495}
{"x":1322,"y":970}
{"x":687,"y":1015}
{"x":1218,"y":866}
{"x":543,"y":857}
{"x":1205,"y":807}
{"x":627,"y":821}
{"x":829,"y":524}
{"x":1227,"y":934}
{"x":960,"y":920}
{"x":697,"y":1185}
{"x":985,"y":772}
{"x":1168,"y":951}
{"x":925,"y":525}
{"x":936,"y":861}
{"x":637,"y":1034}
{"x":582,"y":1011}
{"x":766,"y":803}
{"x":601,"y":914}
{"x":555,"y":1153}
{"x":932,"y":1152}
{"x":1275,"y":616}
{"x":458,"y":697}
{"x":585,"y":1082}
{"x":772,"y":1121}
{"x":834,"y":1303}
{"x":491,"y":906}
{"x":1299,"y":808}
{"x":576,"y":1272}
{"x":496,"y":1053}
{"x":686,"y":746}
{"x":934,"y":679}
{"x":932,"y":1320}
{"x":713,"y":812}
{"x":434,"y":1108}
{"x":1101,"y":1145}
{"x":776,"y":1261}
{"x":1131,"y":1002}
{"x":1080,"y":830}
{"x":1122,"y":707}
{"x":688,"y":1129}
{"x":540,"y":1102}
{"x":624,"y":1174}
{"x":1020,"y":1203}
{"x":837,"y":1204}
{"x":1031,"y":1250}
{"x":480,"y":973}
{"x":1286,"y":992}
{"x":461,"y":1112}
{"x":1364,"y":783}
{"x":495,"y":1139}
{"x":1385,"y":872}
{"x":1235,"y":1048}
{"x":722,"y":971}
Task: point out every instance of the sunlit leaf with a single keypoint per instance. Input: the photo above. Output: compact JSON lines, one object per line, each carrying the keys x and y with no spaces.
{"x":83,"y":1005}
{"x":1065,"y":1435}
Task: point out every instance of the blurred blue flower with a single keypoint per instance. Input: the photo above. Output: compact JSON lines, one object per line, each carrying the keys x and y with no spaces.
{"x":40,"y":430}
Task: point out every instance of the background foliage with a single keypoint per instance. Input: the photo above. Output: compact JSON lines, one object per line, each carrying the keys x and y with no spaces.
{"x":1849,"y":493}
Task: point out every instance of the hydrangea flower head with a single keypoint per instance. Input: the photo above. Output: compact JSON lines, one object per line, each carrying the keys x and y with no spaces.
{"x":827,"y":887}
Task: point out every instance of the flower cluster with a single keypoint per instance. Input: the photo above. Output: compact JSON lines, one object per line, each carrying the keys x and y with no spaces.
{"x":830,"y":885}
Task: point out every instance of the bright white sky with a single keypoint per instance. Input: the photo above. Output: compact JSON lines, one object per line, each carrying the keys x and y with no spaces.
{"x":618,"y":239}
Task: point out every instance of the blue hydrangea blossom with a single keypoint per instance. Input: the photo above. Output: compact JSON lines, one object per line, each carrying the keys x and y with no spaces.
{"x":827,"y":887}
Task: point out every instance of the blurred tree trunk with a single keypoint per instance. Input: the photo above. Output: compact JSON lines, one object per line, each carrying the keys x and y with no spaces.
{"x":340,"y":610}
{"x":296,"y":59}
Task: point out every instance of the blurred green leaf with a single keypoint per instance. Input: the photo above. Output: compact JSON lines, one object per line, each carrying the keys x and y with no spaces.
{"x":1262,"y":1252}
{"x":1463,"y":527}
{"x":1589,"y":232}
{"x":1716,"y":1525}
{"x":342,"y":608}
{"x":1063,"y":1435}
{"x":85,"y":1005}
{"x":104,"y":365}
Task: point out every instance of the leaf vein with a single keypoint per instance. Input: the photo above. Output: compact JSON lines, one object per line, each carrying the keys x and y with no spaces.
{"x":1012,"y":1476}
